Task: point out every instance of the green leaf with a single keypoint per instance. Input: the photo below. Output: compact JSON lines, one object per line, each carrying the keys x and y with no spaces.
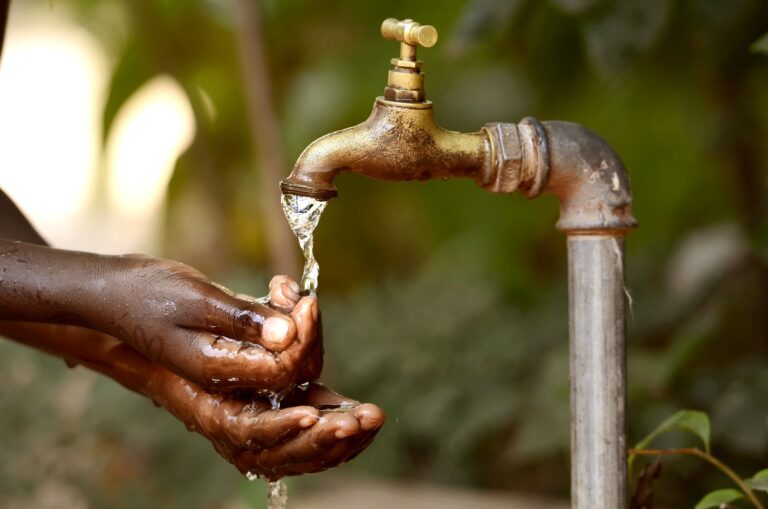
{"x":760,"y":45}
{"x":692,"y":421}
{"x":759,"y":481}
{"x":717,"y":498}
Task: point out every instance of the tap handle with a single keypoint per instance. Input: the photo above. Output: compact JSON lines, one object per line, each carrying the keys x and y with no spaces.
{"x":409,"y":32}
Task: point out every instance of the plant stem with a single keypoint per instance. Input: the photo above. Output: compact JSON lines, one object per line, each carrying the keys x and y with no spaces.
{"x":694,"y":451}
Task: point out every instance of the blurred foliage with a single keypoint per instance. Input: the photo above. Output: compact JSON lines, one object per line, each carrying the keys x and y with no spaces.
{"x":444,"y":304}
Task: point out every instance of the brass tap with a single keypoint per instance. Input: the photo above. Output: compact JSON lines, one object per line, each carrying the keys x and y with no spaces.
{"x":400,"y":141}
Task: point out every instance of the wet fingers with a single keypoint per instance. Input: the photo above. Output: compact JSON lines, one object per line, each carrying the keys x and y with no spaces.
{"x":305,"y":315}
{"x":370,"y":416}
{"x":270,"y":427}
{"x":283,"y":292}
{"x":243,"y":320}
{"x":335,"y":437}
{"x":319,"y":395}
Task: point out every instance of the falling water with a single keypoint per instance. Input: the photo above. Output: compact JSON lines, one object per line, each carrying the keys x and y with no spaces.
{"x":277,"y":491}
{"x":277,"y":495}
{"x":303,"y":214}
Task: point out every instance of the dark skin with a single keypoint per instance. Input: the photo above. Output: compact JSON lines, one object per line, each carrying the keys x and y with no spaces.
{"x":162,"y":329}
{"x":168,"y":311}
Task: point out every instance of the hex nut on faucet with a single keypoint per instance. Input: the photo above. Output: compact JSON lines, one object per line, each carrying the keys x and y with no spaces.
{"x":506,"y":158}
{"x":520,"y":157}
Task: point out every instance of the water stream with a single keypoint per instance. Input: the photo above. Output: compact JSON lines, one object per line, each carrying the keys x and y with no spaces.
{"x":303,"y":215}
{"x":277,"y":491}
{"x":277,"y":495}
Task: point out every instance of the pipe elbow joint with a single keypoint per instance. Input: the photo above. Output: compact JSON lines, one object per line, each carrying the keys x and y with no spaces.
{"x":567,"y":160}
{"x":590,"y":180}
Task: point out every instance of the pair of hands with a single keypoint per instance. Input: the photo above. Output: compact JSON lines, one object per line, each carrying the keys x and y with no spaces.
{"x":234,"y":342}
{"x":202,"y":352}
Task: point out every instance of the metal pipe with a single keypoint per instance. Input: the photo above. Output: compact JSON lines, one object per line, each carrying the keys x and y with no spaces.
{"x":598,"y":371}
{"x":595,"y":212}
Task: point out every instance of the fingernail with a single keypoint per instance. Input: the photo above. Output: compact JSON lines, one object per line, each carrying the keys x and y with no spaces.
{"x":343,"y":433}
{"x":291,"y":290}
{"x":275,"y":281}
{"x":275,"y":329}
{"x":307,"y":421}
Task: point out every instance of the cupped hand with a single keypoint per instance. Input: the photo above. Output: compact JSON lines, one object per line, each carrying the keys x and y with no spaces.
{"x":316,"y":429}
{"x":175,"y":316}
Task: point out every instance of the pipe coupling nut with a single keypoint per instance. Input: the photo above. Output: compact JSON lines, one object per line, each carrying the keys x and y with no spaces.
{"x":519,"y":157}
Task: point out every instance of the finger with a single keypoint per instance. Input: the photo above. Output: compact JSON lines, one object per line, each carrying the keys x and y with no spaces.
{"x":283,"y":292}
{"x":267,"y":428}
{"x":250,"y":298}
{"x":370,"y":416}
{"x":305,"y":315}
{"x":312,"y":445}
{"x":319,"y":395}
{"x":313,"y":450}
{"x":304,"y":357}
{"x":220,"y":363}
{"x":242,"y":320}
{"x":334,"y":454}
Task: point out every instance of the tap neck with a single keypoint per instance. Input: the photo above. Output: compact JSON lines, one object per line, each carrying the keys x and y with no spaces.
{"x":405,"y":81}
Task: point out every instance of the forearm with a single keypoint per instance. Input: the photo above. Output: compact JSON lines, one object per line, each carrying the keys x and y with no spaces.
{"x":40,"y":284}
{"x":95,"y":350}
{"x":107,"y":355}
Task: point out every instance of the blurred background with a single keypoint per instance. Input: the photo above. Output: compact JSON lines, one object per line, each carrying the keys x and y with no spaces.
{"x":163,"y":126}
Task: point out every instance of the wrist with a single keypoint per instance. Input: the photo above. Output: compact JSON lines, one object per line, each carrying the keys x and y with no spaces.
{"x":93,"y":293}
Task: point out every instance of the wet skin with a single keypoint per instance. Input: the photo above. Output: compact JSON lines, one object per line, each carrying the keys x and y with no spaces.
{"x":162,"y":329}
{"x":297,"y":439}
{"x":164,"y":309}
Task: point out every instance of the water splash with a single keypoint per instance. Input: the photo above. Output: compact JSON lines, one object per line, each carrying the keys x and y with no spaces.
{"x":303,"y":214}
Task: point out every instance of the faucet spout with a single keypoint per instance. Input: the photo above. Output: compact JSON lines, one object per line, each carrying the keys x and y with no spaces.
{"x":398,"y":142}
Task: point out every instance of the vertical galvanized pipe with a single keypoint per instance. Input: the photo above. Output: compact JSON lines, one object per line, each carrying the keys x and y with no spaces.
{"x":598,"y":371}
